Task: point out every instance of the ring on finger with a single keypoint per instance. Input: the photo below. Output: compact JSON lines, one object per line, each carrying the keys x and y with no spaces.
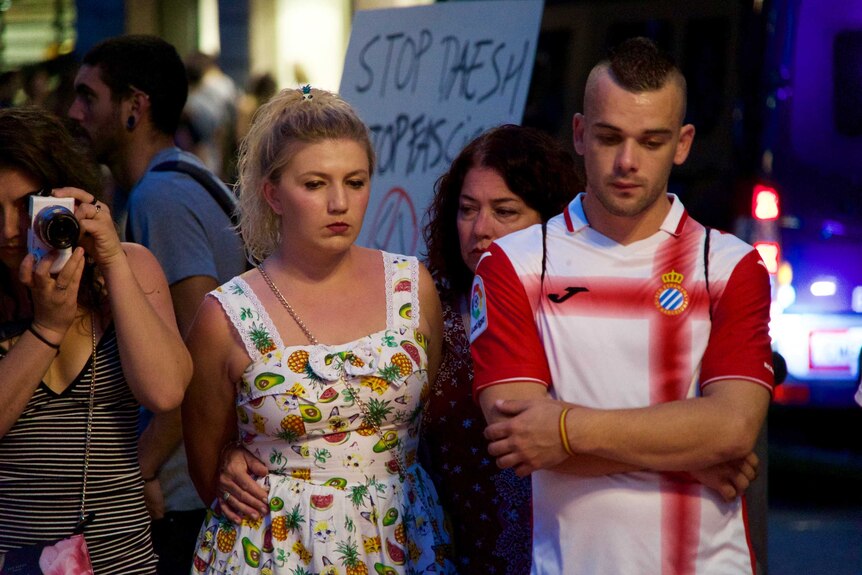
{"x":225,"y":496}
{"x":98,"y":207}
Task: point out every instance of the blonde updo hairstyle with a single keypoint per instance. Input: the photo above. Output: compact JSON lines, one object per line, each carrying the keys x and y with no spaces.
{"x":291,"y":118}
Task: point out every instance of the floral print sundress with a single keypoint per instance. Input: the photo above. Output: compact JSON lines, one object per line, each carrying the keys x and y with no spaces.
{"x":338,"y":504}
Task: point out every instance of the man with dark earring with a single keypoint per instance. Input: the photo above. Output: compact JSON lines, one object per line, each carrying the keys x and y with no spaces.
{"x":130,"y":92}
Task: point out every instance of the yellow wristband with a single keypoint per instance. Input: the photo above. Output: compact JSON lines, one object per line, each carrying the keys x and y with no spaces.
{"x":564,"y":436}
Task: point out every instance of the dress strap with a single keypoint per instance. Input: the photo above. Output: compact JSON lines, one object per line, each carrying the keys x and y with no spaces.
{"x":402,"y":294}
{"x":248,"y":317}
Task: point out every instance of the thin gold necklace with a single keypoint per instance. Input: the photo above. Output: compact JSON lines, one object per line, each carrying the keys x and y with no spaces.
{"x":287,"y":306}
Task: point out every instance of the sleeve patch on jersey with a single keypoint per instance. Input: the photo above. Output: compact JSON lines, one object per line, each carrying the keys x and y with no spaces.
{"x":478,"y":309}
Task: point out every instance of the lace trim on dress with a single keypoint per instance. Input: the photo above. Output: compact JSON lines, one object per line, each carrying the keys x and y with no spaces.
{"x":388,"y":279}
{"x":230,"y":297}
{"x":414,"y":293}
{"x":263,"y":315}
{"x":395,"y":267}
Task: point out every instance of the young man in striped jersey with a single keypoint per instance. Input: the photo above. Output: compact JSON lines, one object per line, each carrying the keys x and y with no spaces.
{"x":622,"y":353}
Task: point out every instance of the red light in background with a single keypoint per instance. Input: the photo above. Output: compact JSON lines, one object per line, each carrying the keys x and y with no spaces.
{"x":769,"y":252}
{"x":790,"y":394}
{"x":764,"y":203}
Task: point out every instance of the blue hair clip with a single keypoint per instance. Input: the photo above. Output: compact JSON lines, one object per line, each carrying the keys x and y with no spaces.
{"x":306,"y":92}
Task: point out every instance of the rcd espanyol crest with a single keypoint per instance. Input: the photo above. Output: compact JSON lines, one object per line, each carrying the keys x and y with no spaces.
{"x":671,"y":298}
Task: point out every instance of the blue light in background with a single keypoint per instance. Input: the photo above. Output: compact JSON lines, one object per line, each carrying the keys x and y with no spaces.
{"x":831,"y":228}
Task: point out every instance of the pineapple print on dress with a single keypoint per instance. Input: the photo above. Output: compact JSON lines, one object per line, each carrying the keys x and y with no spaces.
{"x":329,"y":460}
{"x":226,"y":536}
{"x":262,"y":339}
{"x":353,"y":565}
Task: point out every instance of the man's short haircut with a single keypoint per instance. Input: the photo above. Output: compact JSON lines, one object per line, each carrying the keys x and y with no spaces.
{"x":638,"y":65}
{"x":148,"y":64}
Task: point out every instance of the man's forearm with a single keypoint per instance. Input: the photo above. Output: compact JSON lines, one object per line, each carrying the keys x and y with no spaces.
{"x":692,"y":434}
{"x":158,"y":441}
{"x":683,"y":435}
{"x":165,"y":431}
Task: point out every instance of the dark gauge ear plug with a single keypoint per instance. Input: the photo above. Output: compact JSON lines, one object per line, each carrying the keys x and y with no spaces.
{"x":130,"y":123}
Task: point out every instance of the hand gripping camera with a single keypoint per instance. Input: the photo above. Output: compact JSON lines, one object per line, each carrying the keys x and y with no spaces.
{"x":53,"y":228}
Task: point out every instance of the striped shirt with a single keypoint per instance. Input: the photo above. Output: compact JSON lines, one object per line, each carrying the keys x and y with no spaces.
{"x":42,"y":466}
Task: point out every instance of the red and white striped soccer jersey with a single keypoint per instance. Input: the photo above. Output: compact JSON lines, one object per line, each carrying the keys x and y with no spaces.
{"x":615,"y":326}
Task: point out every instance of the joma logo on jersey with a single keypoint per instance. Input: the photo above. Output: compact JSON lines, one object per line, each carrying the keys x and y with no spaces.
{"x":671,"y":298}
{"x":569,"y":292}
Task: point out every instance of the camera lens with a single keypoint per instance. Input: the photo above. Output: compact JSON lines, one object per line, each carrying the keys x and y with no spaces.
{"x":57,"y":227}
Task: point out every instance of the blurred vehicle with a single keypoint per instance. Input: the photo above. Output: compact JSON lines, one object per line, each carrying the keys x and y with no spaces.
{"x":806,"y":216}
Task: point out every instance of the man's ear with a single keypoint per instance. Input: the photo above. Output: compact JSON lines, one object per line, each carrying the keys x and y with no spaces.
{"x":578,"y":133}
{"x":270,"y":194}
{"x":137,"y":108}
{"x":683,"y":146}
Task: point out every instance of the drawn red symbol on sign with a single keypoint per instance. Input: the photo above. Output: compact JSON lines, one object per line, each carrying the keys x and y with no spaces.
{"x":394,"y":227}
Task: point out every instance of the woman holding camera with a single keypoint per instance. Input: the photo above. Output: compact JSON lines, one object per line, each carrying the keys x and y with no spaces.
{"x":80,"y":349}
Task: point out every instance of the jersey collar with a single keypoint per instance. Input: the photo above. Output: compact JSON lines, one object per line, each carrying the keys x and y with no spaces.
{"x":673,"y":223}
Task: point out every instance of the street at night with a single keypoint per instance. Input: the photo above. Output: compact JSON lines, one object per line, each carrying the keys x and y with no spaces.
{"x":815,"y":500}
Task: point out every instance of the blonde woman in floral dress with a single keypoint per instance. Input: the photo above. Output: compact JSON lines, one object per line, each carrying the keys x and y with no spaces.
{"x":315,"y":362}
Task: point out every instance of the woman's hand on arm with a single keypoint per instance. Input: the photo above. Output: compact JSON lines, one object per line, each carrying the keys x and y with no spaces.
{"x":209,"y":406}
{"x":237,"y":474}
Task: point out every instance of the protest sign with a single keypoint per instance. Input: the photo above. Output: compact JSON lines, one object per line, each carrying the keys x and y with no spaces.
{"x":427,"y":80}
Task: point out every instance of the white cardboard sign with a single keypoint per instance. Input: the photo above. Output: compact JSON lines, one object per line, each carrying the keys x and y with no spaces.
{"x":427,"y":80}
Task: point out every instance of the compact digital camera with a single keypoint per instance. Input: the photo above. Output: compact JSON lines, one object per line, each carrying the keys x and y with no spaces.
{"x":53,"y":228}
